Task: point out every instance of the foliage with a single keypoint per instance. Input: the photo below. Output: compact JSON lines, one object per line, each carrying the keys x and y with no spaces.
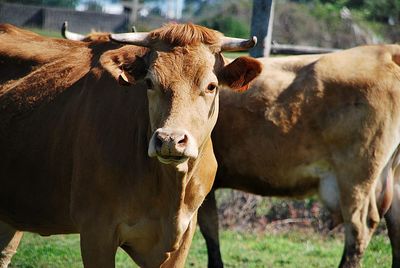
{"x":244,"y":212}
{"x":327,"y":24}
{"x":229,"y":17}
{"x":286,"y":30}
{"x":227,"y":25}
{"x":386,"y":11}
{"x":94,"y":6}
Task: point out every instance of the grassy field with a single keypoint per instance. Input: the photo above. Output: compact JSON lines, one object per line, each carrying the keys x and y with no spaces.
{"x":288,"y":249}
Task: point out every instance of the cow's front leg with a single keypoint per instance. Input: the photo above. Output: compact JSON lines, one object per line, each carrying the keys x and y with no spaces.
{"x":178,"y":258}
{"x":9,"y":241}
{"x":98,"y":248}
{"x":208,"y":222}
{"x":156,"y":255}
{"x":361,"y":217}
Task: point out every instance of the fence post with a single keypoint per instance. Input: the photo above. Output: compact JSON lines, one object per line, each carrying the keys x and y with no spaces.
{"x":134,"y":12}
{"x":261,"y":26}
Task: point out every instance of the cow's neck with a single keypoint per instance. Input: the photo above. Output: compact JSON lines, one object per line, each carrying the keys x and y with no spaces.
{"x":181,"y":209}
{"x":170,"y":212}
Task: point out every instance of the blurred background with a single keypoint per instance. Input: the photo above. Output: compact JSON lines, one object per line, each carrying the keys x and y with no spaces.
{"x":322,"y":23}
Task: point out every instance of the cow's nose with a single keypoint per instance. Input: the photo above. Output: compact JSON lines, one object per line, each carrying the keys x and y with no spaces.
{"x":169,"y":143}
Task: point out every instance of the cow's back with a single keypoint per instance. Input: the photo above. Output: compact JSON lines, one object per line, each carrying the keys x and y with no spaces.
{"x":23,"y":51}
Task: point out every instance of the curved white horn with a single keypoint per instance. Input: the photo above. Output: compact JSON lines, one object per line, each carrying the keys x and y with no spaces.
{"x":138,"y":39}
{"x":237,"y":44}
{"x":70,"y":35}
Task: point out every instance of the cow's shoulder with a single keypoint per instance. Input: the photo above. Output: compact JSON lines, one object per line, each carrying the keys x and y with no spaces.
{"x":282,"y":79}
{"x":10,"y":29}
{"x":27,"y":45}
{"x":24,"y":53}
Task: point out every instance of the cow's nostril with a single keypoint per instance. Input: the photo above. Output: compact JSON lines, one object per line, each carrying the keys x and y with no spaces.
{"x":158,"y":143}
{"x":184,"y":140}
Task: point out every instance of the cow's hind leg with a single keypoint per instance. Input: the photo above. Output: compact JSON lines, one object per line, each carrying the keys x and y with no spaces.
{"x":9,"y":241}
{"x":208,"y":222}
{"x":360,"y":217}
{"x":392,"y":218}
{"x":360,"y":223}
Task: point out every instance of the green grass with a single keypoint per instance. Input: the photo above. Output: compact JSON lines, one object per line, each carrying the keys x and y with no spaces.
{"x":234,"y":55}
{"x":47,"y":33}
{"x":289,"y":249}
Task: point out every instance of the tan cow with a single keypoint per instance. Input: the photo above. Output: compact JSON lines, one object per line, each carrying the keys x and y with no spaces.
{"x":111,"y":142}
{"x":208,"y":217}
{"x":324,"y":124}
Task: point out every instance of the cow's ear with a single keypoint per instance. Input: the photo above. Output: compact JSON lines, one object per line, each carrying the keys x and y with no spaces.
{"x":130,"y":72}
{"x":126,"y":68}
{"x":239,"y":73}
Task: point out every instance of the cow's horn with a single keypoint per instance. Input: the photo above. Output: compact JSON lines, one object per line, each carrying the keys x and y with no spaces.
{"x":70,"y":35}
{"x":237,"y":44}
{"x":138,"y":39}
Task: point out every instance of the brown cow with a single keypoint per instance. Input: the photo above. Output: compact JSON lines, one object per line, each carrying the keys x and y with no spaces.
{"x":326,"y":124}
{"x":208,"y":217}
{"x":75,"y":144}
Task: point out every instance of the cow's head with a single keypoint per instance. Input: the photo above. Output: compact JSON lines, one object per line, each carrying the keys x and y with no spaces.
{"x":183,"y":67}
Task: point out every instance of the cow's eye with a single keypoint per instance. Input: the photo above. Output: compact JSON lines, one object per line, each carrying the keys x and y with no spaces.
{"x":149,"y":83}
{"x":211,"y":87}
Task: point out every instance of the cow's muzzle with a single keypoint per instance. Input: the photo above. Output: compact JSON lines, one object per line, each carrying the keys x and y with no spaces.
{"x":172,"y":146}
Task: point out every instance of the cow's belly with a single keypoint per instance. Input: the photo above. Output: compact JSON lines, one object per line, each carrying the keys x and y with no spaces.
{"x":299,"y":181}
{"x":33,"y":200}
{"x":40,"y":220}
{"x":328,"y":190}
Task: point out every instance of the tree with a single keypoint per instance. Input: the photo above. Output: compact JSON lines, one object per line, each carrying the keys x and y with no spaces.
{"x":92,"y":5}
{"x":232,"y":18}
{"x":387,"y":11}
{"x":227,"y":25}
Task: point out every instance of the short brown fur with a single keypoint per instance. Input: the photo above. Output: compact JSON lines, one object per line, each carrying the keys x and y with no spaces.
{"x":79,"y":151}
{"x":326,"y":124}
